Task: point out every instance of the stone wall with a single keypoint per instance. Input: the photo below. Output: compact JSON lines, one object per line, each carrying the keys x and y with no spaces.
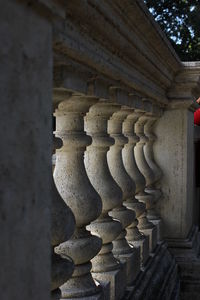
{"x":26,"y":104}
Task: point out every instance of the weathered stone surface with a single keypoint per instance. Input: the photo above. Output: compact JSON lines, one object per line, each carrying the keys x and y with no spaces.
{"x":152,"y":189}
{"x":25,"y":131}
{"x":75,"y":188}
{"x":62,"y":228}
{"x":145,"y":225}
{"x":174,"y":154}
{"x":186,"y":253}
{"x":117,"y":49}
{"x":159,"y":279}
{"x":105,"y":266}
{"x":128,"y":51}
{"x":126,"y":216}
{"x":137,"y":239}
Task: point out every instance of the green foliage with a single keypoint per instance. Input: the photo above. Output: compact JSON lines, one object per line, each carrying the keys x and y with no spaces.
{"x":180,"y":20}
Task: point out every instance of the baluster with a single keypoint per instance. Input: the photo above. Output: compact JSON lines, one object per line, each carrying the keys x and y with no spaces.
{"x":156,"y":192}
{"x":138,"y":239}
{"x":76,"y":190}
{"x":146,"y":227}
{"x":126,"y":216}
{"x":62,"y":228}
{"x":105,"y":266}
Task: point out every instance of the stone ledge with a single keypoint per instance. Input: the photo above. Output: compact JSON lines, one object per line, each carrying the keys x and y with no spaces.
{"x":159,"y":279}
{"x":186,"y":253}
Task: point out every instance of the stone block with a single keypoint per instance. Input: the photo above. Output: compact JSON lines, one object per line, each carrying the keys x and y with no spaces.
{"x":158,"y":223}
{"x":143,"y":246}
{"x":132,"y":261}
{"x":26,"y":138}
{"x":117,"y":280}
{"x":174,"y":154}
{"x":152,"y":234}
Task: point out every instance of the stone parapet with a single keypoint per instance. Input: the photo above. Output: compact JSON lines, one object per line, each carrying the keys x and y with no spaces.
{"x":123,"y":106}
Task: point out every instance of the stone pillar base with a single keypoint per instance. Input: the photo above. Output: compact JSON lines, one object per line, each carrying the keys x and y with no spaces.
{"x":158,"y":279}
{"x":136,"y":259}
{"x":158,"y":224}
{"x":143,"y":246}
{"x":132,"y":261}
{"x":184,"y":249}
{"x":116,"y":280}
{"x":99,"y":295}
{"x":186,"y":253}
{"x":152,"y":234}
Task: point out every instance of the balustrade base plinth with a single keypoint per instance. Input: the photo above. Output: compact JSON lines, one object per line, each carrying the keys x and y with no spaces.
{"x":117,"y":281}
{"x":158,"y":224}
{"x":187,"y":255}
{"x":158,"y":279}
{"x":98,"y":295}
{"x":56,"y":294}
{"x":143,"y":248}
{"x":132,"y":261}
{"x":152,"y":234}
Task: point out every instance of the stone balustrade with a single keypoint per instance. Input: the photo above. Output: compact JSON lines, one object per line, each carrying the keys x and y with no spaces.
{"x":74,"y":186}
{"x":62,"y":228}
{"x":119,"y":216}
{"x":106,"y":177}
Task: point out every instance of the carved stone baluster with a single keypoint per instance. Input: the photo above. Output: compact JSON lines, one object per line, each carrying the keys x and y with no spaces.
{"x":76,"y":190}
{"x":105,"y":266}
{"x":146,"y":227}
{"x":126,"y":216}
{"x":153,"y":216}
{"x":62,"y":228}
{"x":138,"y":178}
{"x":137,"y":239}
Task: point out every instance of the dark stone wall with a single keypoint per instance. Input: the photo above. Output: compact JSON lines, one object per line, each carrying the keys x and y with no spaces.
{"x":25,"y":134}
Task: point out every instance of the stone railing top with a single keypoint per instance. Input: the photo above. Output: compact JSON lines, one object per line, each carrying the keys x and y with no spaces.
{"x":119,"y":44}
{"x":103,"y":44}
{"x":118,"y":40}
{"x":185,"y":89}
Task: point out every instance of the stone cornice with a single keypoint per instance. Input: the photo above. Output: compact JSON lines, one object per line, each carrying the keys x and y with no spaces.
{"x":50,"y":9}
{"x":186,"y":87}
{"x":107,"y":43}
{"x":119,"y":40}
{"x":68,"y":80}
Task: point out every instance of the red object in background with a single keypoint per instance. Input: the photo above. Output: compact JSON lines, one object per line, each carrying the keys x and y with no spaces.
{"x":197,"y":117}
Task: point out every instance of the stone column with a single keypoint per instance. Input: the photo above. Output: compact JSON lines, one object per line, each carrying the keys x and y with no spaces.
{"x":126,"y":216}
{"x":174,"y":151}
{"x":105,"y":266}
{"x":76,"y":190}
{"x":62,"y":228}
{"x":138,"y":239}
{"x":144,"y":168}
{"x":153,"y":215}
{"x":26,"y":137}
